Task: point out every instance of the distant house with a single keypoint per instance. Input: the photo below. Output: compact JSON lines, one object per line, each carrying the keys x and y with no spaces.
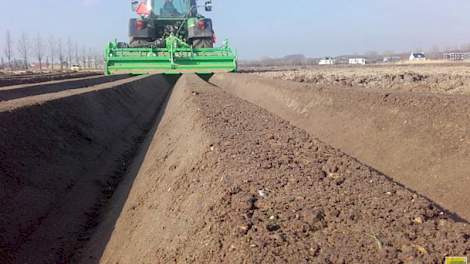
{"x":327,"y":61}
{"x":358,"y":61}
{"x":417,"y":56}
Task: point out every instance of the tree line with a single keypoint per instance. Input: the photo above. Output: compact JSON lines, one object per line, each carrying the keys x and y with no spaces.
{"x":46,"y":53}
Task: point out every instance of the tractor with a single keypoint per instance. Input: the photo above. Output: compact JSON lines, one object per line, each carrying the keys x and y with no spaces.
{"x":172,"y":37}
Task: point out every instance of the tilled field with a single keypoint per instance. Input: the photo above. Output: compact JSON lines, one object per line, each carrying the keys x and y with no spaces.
{"x":22,"y":91}
{"x":61,"y":153}
{"x":216,"y":180}
{"x":6,"y":80}
{"x":225,"y":181}
{"x":420,"y":140}
{"x":428,"y":78}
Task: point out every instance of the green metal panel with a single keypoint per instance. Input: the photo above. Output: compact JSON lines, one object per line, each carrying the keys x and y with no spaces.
{"x":177,"y":57}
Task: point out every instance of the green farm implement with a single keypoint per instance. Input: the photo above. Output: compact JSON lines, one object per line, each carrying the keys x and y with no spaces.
{"x":169,"y":37}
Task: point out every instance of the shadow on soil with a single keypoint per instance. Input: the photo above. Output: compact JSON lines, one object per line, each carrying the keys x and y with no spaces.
{"x":112,"y":208}
{"x":16,"y":92}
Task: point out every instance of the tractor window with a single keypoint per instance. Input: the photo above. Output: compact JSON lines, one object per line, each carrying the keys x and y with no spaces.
{"x":171,"y":8}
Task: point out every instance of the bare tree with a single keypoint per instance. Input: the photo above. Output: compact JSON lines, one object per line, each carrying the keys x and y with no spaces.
{"x":39,"y":50}
{"x":466,"y":47}
{"x":52,"y":50}
{"x":84,"y":57}
{"x":434,"y":53}
{"x":9,"y":48}
{"x":435,"y":49}
{"x":60,"y":52}
{"x":69,"y":52}
{"x":95,"y":61}
{"x":77,"y":55}
{"x":90,"y":58}
{"x":23,"y":49}
{"x":388,"y":53}
{"x":372,"y":54}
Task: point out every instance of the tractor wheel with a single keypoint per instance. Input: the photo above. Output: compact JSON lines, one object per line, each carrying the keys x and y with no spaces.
{"x":203,"y":43}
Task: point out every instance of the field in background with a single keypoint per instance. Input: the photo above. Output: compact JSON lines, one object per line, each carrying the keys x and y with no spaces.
{"x":450,"y":78}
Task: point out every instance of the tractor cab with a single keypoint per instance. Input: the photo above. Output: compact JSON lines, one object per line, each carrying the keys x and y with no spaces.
{"x":159,"y":19}
{"x":173,"y":8}
{"x":166,"y":8}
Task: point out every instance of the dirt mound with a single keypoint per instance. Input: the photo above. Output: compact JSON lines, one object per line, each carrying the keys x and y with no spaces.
{"x":61,"y":155}
{"x":7,"y":80}
{"x":19,"y":91}
{"x":224,"y":181}
{"x":406,"y":80}
{"x":421,"y":140}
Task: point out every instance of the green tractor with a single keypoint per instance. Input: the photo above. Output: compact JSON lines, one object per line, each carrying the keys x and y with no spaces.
{"x":169,"y":36}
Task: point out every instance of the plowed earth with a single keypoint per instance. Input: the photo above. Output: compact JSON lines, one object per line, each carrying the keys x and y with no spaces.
{"x":61,"y":155}
{"x":224,"y":181}
{"x":448,"y":79}
{"x":420,"y":140}
{"x":6,"y":80}
{"x":107,"y":170}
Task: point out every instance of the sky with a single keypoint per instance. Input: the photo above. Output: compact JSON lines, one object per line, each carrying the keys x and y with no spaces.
{"x":261,"y":28}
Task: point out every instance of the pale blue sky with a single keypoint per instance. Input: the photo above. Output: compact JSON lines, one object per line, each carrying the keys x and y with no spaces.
{"x":259,"y":28}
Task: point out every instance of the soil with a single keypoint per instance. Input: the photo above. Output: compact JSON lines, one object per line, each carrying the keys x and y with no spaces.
{"x":61,"y":156}
{"x":25,"y":90}
{"x":225,"y":181}
{"x":6,"y":80}
{"x":232,"y":169}
{"x":449,"y":79}
{"x":420,"y":140}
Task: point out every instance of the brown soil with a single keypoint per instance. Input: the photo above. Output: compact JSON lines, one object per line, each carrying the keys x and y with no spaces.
{"x":420,"y":140}
{"x":449,"y":79}
{"x":19,"y":91}
{"x":61,"y":156}
{"x":104,"y":170}
{"x":224,"y":181}
{"x":6,"y":80}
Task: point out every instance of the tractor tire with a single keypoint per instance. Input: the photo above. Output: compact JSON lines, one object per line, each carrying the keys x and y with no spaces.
{"x":203,"y":43}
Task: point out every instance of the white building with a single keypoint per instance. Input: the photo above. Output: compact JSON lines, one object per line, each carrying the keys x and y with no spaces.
{"x":358,"y":61}
{"x":457,"y":56}
{"x":327,"y":61}
{"x":417,"y":56}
